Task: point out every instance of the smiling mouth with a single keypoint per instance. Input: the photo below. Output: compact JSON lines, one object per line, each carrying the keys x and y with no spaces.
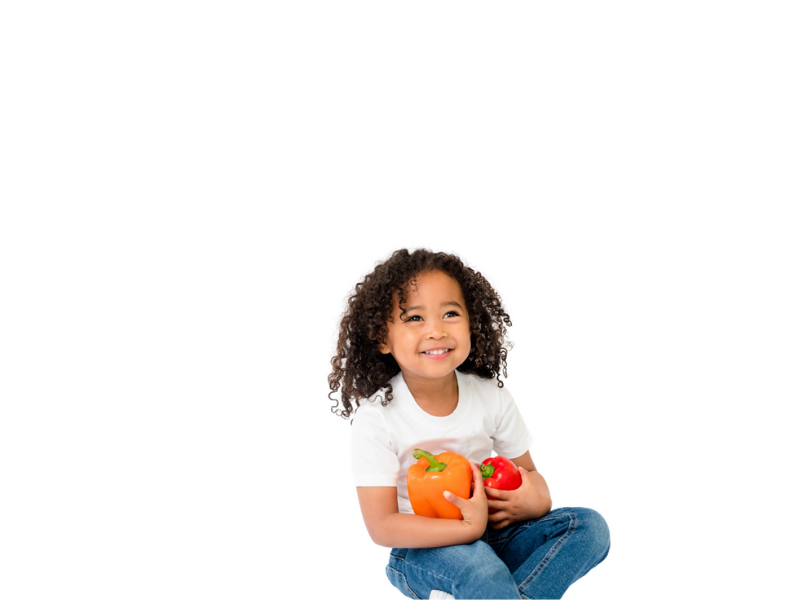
{"x":437,"y":352}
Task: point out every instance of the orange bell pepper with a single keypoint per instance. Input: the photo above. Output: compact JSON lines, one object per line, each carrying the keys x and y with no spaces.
{"x":431,"y":476}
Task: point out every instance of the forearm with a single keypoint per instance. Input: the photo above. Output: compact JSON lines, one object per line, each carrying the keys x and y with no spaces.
{"x":403,"y":530}
{"x":542,"y":503}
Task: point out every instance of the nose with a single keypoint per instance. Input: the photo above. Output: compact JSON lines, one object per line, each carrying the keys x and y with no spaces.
{"x":436,"y":332}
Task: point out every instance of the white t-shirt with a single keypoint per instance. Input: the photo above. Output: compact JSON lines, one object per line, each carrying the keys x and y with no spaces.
{"x":383,"y":437}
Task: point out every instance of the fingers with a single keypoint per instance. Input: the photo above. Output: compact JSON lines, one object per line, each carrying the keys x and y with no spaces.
{"x":500,"y":519}
{"x":497,"y":494}
{"x":477,"y":480}
{"x":477,"y":492}
{"x":496,"y":504}
{"x":457,"y":500}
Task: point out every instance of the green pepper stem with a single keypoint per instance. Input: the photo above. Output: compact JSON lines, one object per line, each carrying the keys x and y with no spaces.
{"x":435,"y":464}
{"x":487,"y":471}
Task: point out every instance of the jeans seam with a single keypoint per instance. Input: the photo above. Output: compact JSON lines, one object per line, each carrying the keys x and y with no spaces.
{"x":405,"y":582}
{"x":499,"y":539}
{"x":573,"y":520}
{"x":432,"y":573}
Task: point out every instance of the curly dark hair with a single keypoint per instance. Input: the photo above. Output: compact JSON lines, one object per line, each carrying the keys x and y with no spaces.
{"x":361,"y":370}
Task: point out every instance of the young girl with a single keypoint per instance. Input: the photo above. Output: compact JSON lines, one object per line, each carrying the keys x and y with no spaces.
{"x":425,"y":335}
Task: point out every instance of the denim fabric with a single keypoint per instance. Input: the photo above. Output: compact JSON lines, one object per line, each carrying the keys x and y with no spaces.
{"x":533,"y":559}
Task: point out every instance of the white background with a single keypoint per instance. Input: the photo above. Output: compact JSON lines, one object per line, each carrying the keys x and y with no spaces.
{"x":190,"y":190}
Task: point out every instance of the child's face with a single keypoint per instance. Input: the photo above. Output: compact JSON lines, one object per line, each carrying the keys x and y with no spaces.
{"x":436,"y":318}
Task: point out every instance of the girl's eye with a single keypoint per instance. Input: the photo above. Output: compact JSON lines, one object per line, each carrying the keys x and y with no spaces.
{"x":419,"y":318}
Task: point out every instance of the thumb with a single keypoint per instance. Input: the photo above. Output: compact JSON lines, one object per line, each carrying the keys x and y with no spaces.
{"x":457,"y":500}
{"x":525,"y":477}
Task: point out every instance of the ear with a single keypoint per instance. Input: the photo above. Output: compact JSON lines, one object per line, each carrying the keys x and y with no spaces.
{"x":384,"y":349}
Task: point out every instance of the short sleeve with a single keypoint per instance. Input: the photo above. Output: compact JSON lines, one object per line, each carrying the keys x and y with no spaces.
{"x":374,"y":461}
{"x":512,"y":438}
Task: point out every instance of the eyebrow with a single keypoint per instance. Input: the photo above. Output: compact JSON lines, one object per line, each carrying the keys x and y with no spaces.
{"x":450,"y":303}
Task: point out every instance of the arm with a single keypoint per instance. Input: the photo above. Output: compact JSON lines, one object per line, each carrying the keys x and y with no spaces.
{"x":392,"y":529}
{"x":531,"y":501}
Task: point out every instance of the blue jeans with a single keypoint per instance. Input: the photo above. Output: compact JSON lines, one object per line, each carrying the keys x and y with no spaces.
{"x":532,"y":559}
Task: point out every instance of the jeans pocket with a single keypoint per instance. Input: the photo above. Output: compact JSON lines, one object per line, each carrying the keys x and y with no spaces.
{"x":399,"y":581}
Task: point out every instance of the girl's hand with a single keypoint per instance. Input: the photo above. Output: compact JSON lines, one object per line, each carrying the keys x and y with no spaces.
{"x":523,"y":504}
{"x":475,"y":510}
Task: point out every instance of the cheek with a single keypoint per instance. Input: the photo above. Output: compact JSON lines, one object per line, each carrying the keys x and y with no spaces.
{"x":400,"y":342}
{"x":410,"y":344}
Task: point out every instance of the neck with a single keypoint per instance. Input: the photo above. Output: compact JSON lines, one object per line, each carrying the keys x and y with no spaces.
{"x":423,"y":389}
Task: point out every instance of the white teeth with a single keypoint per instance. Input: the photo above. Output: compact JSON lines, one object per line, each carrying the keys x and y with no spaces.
{"x":437,"y":351}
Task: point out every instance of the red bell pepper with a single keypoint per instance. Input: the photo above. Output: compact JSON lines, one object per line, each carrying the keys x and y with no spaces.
{"x":499,"y":473}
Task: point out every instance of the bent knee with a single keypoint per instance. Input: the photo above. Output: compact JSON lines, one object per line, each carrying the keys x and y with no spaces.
{"x":477,"y":559}
{"x":466,"y":559}
{"x":480,"y":560}
{"x":593,"y":528}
